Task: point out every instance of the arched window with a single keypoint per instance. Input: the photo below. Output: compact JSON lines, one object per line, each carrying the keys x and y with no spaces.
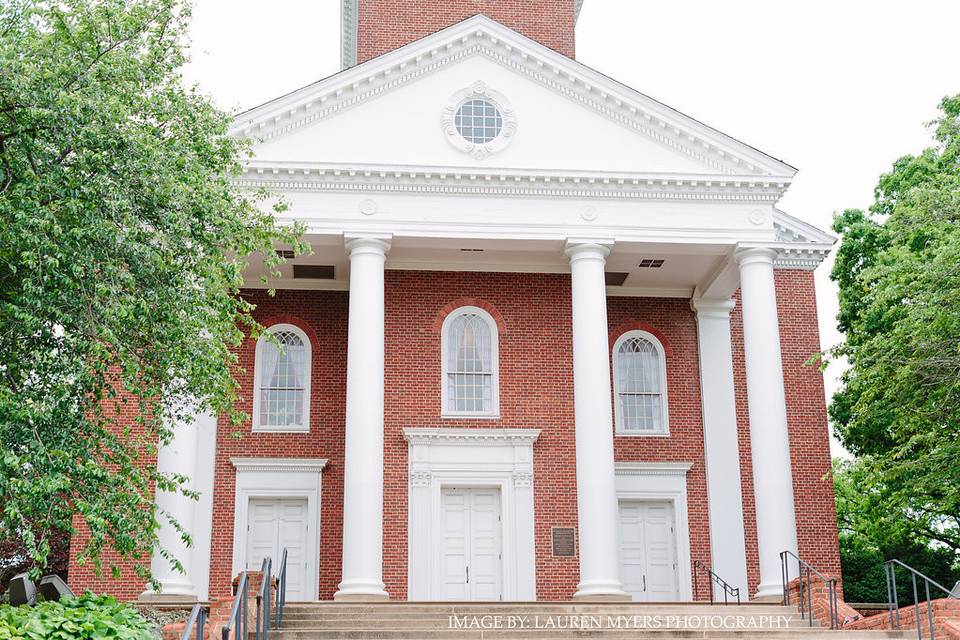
{"x":281,"y":400}
{"x":470,"y":385}
{"x":640,"y":384}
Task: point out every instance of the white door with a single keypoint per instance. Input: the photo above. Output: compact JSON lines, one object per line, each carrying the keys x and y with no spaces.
{"x":276,"y":524}
{"x":470,"y":554}
{"x":648,"y":551}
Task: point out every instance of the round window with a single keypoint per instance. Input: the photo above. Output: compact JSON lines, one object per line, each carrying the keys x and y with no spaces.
{"x":478,"y":121}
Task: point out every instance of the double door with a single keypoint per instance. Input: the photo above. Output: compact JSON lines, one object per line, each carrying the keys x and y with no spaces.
{"x":648,"y":551}
{"x":470,"y":539}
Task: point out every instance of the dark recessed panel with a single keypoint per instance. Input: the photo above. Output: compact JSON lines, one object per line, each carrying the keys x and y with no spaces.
{"x":615,"y":278}
{"x":313,"y":271}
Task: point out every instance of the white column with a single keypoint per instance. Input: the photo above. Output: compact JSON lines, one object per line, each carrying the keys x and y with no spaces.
{"x":362,"y":577}
{"x":772,"y":478}
{"x":178,"y":457}
{"x":721,"y":448}
{"x":597,"y":509}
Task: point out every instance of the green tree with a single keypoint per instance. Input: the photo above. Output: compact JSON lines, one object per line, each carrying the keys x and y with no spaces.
{"x":870,"y":535}
{"x":898,"y":271}
{"x":121,"y":255}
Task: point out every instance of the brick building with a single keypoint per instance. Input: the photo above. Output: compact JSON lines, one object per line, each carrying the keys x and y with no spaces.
{"x":550,"y":343}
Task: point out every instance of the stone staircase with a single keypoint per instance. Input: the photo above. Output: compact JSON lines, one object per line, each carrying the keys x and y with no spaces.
{"x":552,"y":620}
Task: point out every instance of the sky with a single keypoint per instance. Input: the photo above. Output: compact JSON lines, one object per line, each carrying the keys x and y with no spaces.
{"x":837,"y":88}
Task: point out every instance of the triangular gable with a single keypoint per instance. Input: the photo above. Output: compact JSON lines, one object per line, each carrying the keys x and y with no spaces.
{"x":712,"y":151}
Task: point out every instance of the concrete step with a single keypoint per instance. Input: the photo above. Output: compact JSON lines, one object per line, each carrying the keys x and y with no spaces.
{"x":598,"y":634}
{"x":538,"y":619}
{"x":532,"y":608}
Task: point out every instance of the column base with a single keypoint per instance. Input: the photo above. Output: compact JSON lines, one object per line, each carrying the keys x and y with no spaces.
{"x":361,"y":592}
{"x":166,"y":599}
{"x":601,"y":592}
{"x":769,"y":592}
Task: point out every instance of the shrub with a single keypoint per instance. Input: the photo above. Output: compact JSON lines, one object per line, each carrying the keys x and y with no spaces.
{"x":82,"y":618}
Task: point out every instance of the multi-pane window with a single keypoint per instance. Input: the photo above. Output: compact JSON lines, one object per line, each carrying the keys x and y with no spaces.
{"x":478,"y":121}
{"x":470,"y":363}
{"x":640,"y":384}
{"x":283,"y":380}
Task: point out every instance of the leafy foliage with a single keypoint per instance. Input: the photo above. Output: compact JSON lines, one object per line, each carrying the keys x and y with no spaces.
{"x":121,"y":252}
{"x":87,"y":616}
{"x":870,"y":535}
{"x":898,"y":270}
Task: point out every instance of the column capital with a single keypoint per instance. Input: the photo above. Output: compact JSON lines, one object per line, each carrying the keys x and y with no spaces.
{"x":376,"y":243}
{"x":713,"y":307}
{"x":755,"y":255}
{"x":588,"y":248}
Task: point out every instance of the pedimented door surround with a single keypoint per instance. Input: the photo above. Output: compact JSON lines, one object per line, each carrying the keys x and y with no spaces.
{"x":496,"y":458}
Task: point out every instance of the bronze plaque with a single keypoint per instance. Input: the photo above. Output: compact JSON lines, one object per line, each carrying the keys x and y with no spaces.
{"x":563,"y":542}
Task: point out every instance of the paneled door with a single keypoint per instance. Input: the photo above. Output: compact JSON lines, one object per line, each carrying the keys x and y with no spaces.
{"x":470,"y":536}
{"x":648,"y":551}
{"x":276,"y":524}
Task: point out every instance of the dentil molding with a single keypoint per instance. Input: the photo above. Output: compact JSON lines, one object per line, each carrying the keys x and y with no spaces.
{"x":281,"y":465}
{"x":469,"y":437}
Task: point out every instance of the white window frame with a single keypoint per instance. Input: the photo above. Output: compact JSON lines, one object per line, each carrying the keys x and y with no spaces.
{"x":664,"y":408}
{"x":494,"y":411}
{"x":257,"y":381}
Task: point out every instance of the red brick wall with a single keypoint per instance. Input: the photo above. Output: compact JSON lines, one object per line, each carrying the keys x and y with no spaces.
{"x":385,"y":25}
{"x":323,"y":317}
{"x":536,"y":391}
{"x":673,"y":322}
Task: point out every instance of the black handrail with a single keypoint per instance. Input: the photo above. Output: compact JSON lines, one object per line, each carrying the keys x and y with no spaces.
{"x":263,"y":602}
{"x":890,"y":568}
{"x":728,"y":590}
{"x":238,"y":612}
{"x":197,"y":620}
{"x":281,"y":589}
{"x":805,"y":570}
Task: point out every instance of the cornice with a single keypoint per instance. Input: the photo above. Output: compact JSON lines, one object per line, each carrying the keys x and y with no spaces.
{"x":457,"y":436}
{"x":281,"y":465}
{"x":652,"y":468}
{"x":293,"y":176}
{"x":481,"y":36}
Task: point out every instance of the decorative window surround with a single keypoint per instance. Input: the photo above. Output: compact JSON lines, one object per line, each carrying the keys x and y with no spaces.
{"x":664,"y":430}
{"x":501,"y":458}
{"x":662,"y":481}
{"x":279,"y":478}
{"x":262,"y":343}
{"x":479,"y":91}
{"x":494,"y":411}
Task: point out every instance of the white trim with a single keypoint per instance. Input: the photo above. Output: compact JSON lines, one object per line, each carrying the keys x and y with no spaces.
{"x":494,"y":411}
{"x":257,"y":380}
{"x":279,"y":478}
{"x":662,"y":481}
{"x":501,"y":458}
{"x":478,"y":91}
{"x":664,"y":409}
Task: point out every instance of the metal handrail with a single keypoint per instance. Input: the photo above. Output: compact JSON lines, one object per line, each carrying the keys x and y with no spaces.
{"x":889,"y":569}
{"x":263,"y":602}
{"x":197,"y":620}
{"x":806,"y":608}
{"x":238,"y":612}
{"x":281,"y":589}
{"x":728,"y":590}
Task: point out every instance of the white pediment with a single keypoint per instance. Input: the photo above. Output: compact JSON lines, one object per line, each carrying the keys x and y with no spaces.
{"x":390,"y":111}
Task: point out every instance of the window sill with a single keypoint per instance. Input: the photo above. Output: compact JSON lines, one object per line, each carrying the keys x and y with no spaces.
{"x":628,"y":434}
{"x":275,"y":430}
{"x":470,"y":416}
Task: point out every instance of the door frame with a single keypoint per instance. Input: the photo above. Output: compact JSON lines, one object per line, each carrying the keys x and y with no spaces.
{"x":661,"y":482}
{"x":495,"y":458}
{"x":279,"y":478}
